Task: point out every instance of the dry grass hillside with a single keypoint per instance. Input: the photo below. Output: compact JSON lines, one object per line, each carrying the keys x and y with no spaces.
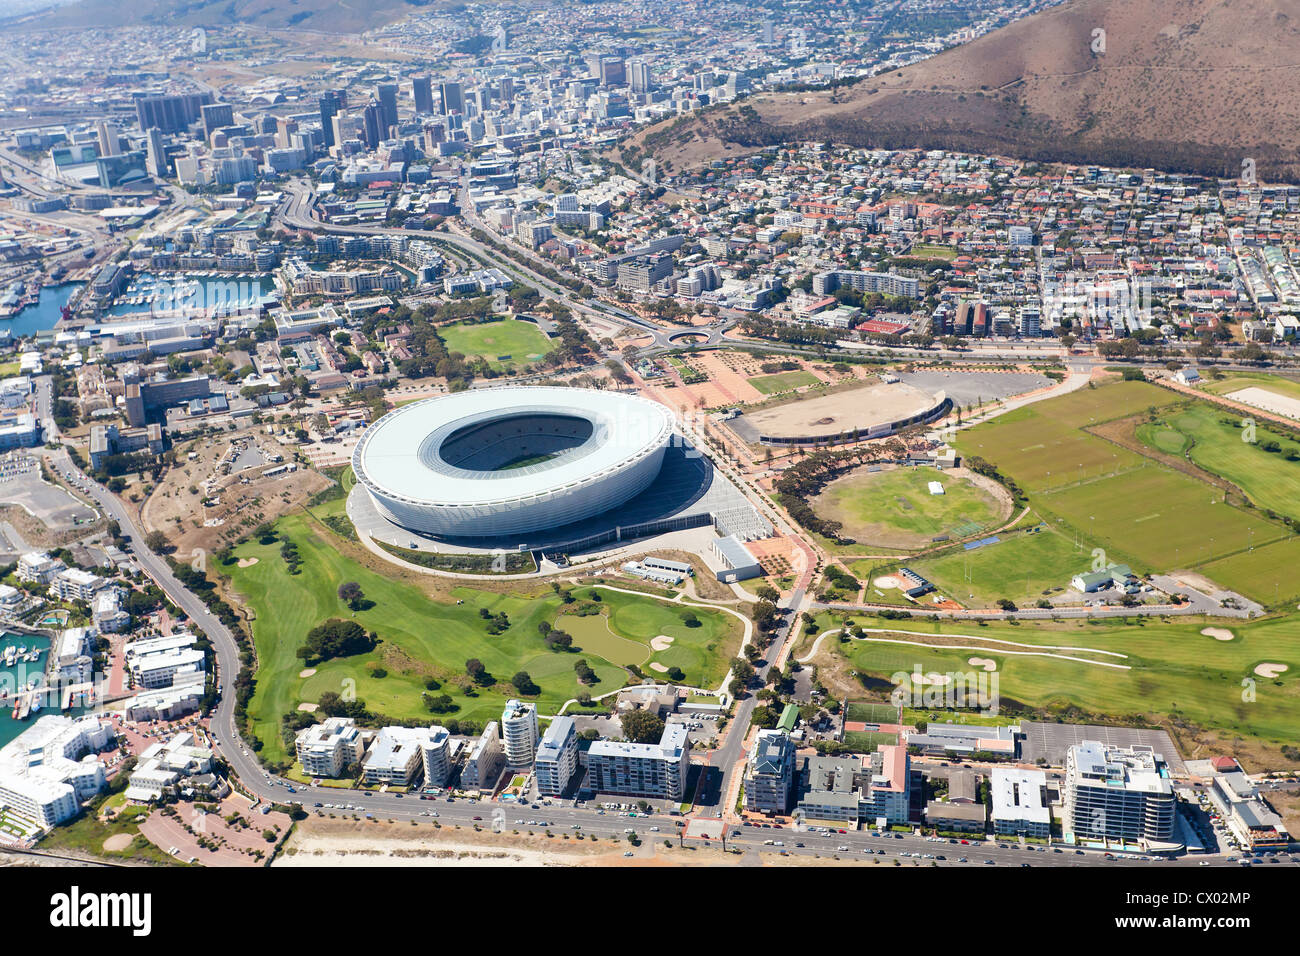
{"x":1194,"y":85}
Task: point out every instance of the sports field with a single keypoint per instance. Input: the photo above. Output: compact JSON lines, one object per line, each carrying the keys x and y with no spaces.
{"x":783,"y":381}
{"x":894,"y":509}
{"x":1157,"y":519}
{"x":1170,"y":669}
{"x":1043,"y":445}
{"x":1020,"y":567}
{"x":424,"y":637}
{"x":503,"y":342}
{"x":1138,"y":510}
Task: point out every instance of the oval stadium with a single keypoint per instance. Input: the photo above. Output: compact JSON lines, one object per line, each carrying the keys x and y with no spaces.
{"x":493,"y":462}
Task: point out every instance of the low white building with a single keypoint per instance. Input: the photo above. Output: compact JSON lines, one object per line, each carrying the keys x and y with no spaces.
{"x":1020,"y":802}
{"x":37,"y":567}
{"x":162,"y":766}
{"x":75,"y":584}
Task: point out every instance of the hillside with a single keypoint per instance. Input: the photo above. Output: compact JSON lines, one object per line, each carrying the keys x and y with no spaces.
{"x":326,"y":16}
{"x":1193,"y":85}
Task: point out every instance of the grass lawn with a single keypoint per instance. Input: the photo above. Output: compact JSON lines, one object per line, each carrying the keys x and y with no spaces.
{"x":1235,"y":381}
{"x":895,"y":508}
{"x":422,"y":638}
{"x":86,"y":834}
{"x":503,"y":342}
{"x":931,"y":251}
{"x":1019,"y":567}
{"x":1042,"y":446}
{"x":1212,"y":438}
{"x":783,"y":381}
{"x":1175,"y":670}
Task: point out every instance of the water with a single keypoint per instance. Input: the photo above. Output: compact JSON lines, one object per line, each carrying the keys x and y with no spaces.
{"x":42,"y":316}
{"x":192,"y":292}
{"x":11,"y":678}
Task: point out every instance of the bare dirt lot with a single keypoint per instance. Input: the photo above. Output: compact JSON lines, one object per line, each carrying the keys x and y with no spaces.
{"x":239,"y":495}
{"x":843,"y":411}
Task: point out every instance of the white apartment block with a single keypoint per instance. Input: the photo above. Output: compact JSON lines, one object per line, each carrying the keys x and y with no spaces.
{"x":1117,"y":794}
{"x":557,"y":757}
{"x":483,"y":764}
{"x":641,"y":770}
{"x":159,"y":661}
{"x":37,"y":567}
{"x":327,"y":749}
{"x":50,"y":768}
{"x":396,"y":756}
{"x":519,"y":733}
{"x":75,"y":584}
{"x":163,"y":765}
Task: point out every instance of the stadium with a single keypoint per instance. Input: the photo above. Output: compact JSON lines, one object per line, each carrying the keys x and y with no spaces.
{"x":490,"y":463}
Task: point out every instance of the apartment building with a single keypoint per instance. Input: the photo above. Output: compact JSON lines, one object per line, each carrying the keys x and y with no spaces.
{"x":1117,"y":794}
{"x":329,"y":748}
{"x":485,"y":759}
{"x":557,"y":757}
{"x":641,"y":770}
{"x":519,"y":733}
{"x":1020,"y":802}
{"x":769,"y":773}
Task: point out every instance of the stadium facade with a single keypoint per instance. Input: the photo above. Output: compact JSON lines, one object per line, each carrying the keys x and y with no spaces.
{"x":496,"y":462}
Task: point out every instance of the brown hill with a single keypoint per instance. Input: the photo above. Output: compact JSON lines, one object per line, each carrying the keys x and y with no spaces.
{"x":1194,"y":85}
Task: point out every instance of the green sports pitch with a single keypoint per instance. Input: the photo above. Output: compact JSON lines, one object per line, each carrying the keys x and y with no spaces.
{"x":502,"y":342}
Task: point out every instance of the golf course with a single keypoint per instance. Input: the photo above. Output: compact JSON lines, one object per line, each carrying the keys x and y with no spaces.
{"x":425,"y":639}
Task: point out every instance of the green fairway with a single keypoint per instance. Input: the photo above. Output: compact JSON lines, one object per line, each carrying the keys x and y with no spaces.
{"x":1267,"y":574}
{"x":894,"y":509}
{"x":1213,"y":439}
{"x":783,"y":381}
{"x":1020,"y":567}
{"x":423,"y":639}
{"x":504,"y":342}
{"x":1174,"y":670}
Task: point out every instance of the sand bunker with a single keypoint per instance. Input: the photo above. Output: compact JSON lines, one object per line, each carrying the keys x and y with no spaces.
{"x":936,"y":679}
{"x":987,"y":663}
{"x":886,"y":582}
{"x":658,"y":668}
{"x":1270,"y":671}
{"x":247,"y":562}
{"x":118,"y":841}
{"x":308,"y":708}
{"x":661,"y":643}
{"x":307,"y":672}
{"x":1218,"y":633}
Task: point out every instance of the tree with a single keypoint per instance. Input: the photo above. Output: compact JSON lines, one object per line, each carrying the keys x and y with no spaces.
{"x":476,"y":670}
{"x":524,"y":684}
{"x":336,"y":638}
{"x":157,"y":541}
{"x":350,"y":593}
{"x":642,"y":727}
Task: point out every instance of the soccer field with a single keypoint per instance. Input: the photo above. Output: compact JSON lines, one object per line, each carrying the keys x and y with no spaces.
{"x":504,"y":342}
{"x":1020,"y":567}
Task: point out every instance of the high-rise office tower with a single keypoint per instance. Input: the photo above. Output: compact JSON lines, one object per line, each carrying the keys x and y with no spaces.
{"x":214,"y":116}
{"x":108,"y":142}
{"x":639,"y":76}
{"x":506,"y":89}
{"x":422,"y":90}
{"x":387,"y":95}
{"x":453,"y":99}
{"x":155,"y":156}
{"x":172,"y":113}
{"x":329,"y":108}
{"x":374,"y":123}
